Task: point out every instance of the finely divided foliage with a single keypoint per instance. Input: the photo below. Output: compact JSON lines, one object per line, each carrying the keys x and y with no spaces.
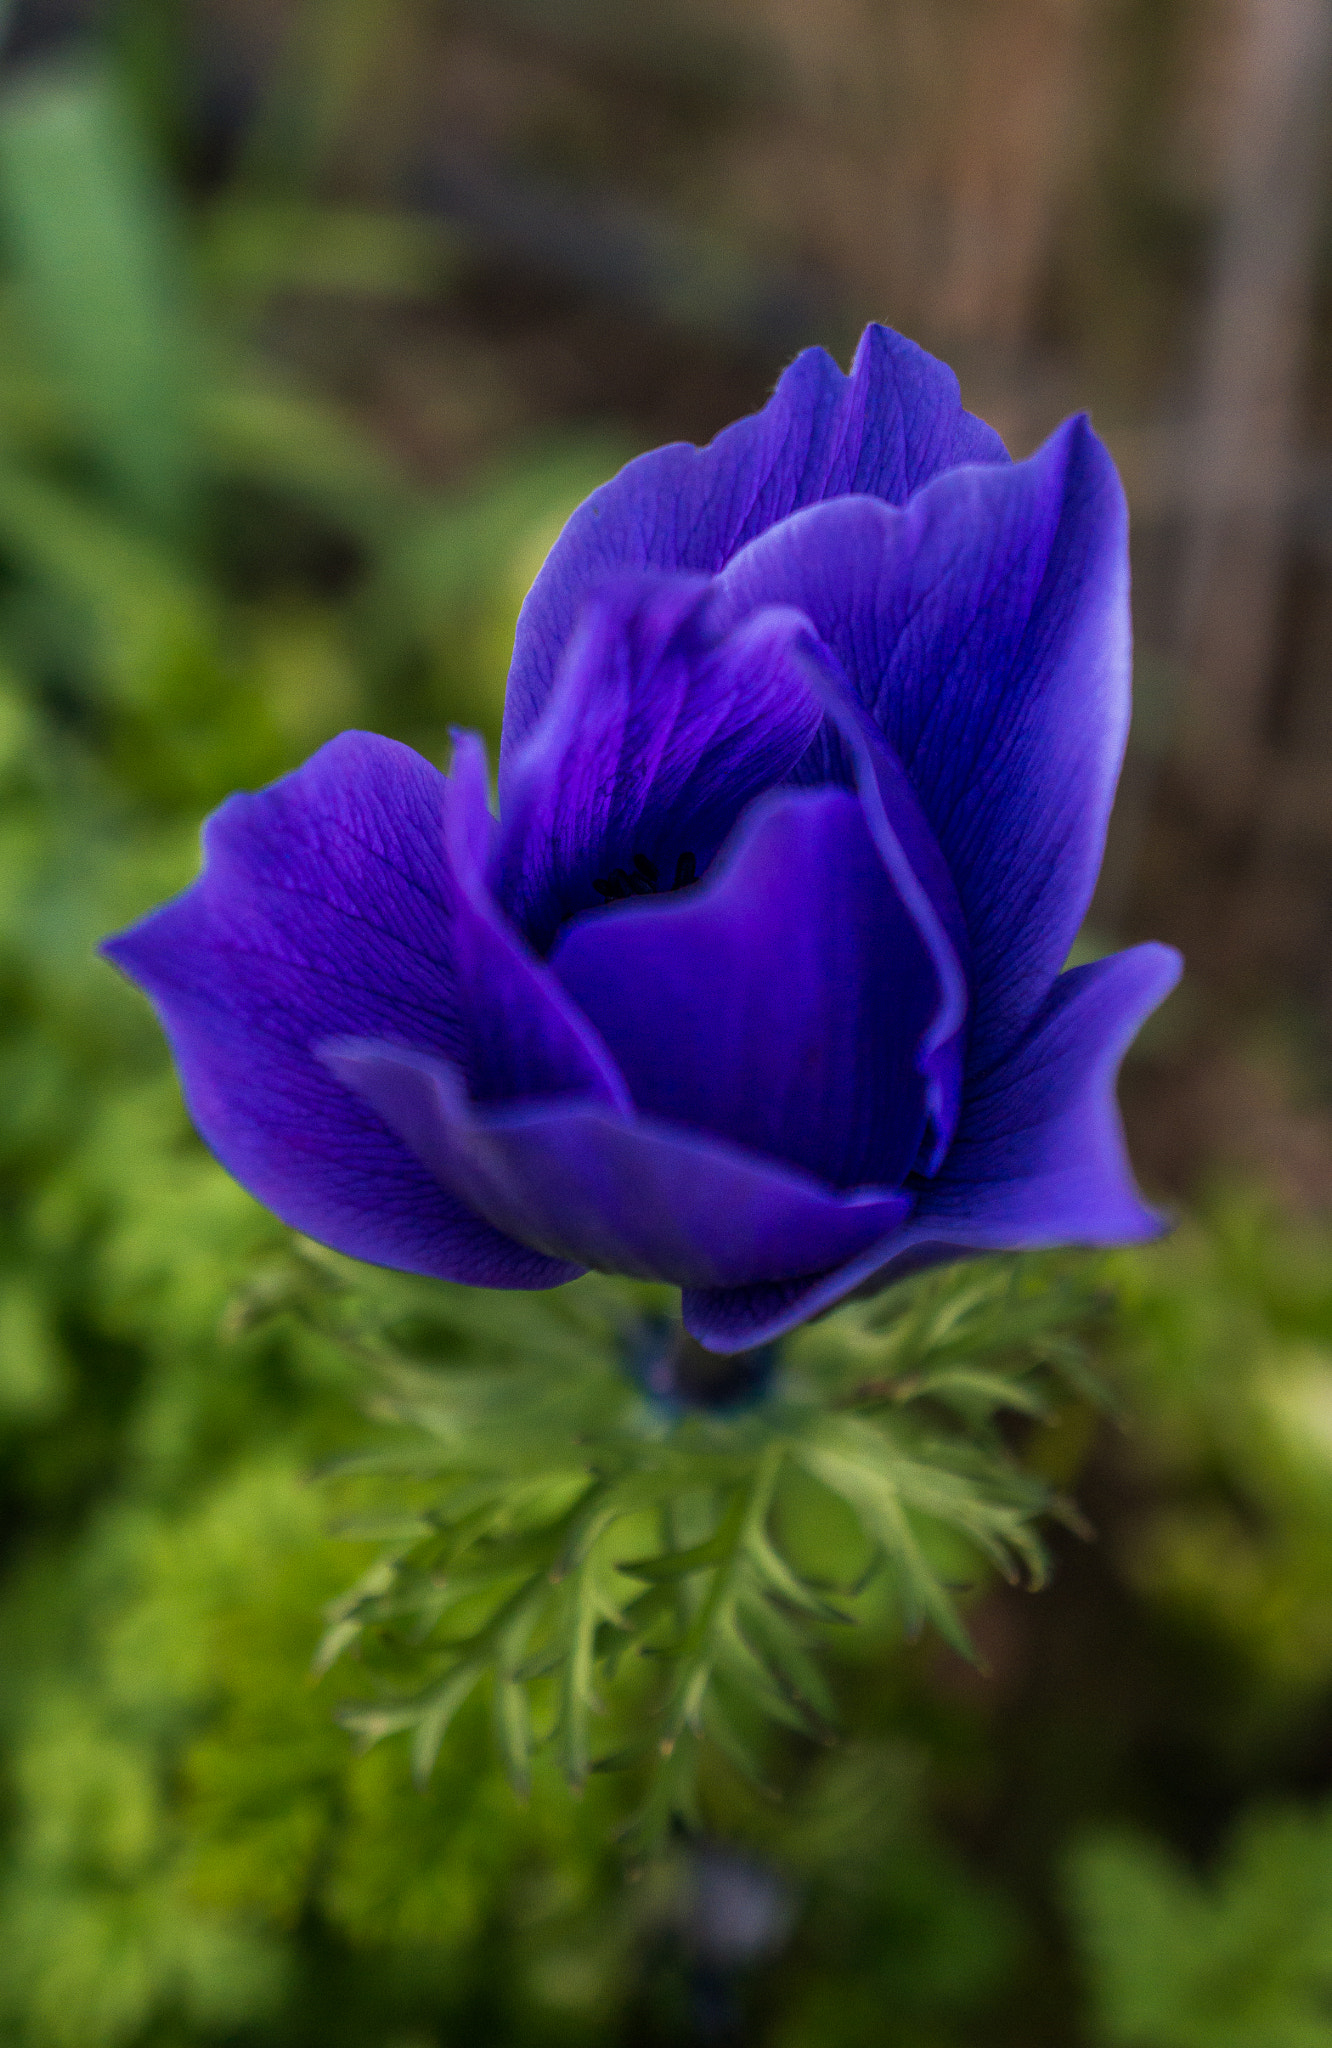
{"x":622,"y":1584}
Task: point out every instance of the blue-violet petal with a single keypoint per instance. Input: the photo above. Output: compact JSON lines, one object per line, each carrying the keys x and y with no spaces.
{"x":986,"y":629}
{"x":625,"y":1195}
{"x":783,"y":1005}
{"x":896,"y":421}
{"x":1039,"y":1159}
{"x":331,"y":904}
{"x":657,"y":734}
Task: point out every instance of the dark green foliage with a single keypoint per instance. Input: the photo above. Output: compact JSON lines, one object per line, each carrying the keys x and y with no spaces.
{"x":1241,"y":1959}
{"x":1227,"y":1355}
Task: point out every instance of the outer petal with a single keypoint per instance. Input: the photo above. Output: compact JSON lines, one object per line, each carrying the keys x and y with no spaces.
{"x":889,"y":427}
{"x":657,"y":734}
{"x":1039,"y":1159}
{"x":986,"y":628}
{"x":339,"y":900}
{"x":625,"y":1195}
{"x":783,"y":1005}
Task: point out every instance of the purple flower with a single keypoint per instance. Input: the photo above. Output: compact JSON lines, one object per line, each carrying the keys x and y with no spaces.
{"x":810,"y":742}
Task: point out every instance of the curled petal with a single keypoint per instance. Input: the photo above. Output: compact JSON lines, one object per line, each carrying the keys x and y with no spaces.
{"x":1040,"y":1156}
{"x":985,"y":628}
{"x":625,"y":1195}
{"x":518,"y":1037}
{"x":345,"y":899}
{"x":657,"y":734}
{"x":886,"y":429}
{"x":783,"y":1005}
{"x":1039,"y":1159}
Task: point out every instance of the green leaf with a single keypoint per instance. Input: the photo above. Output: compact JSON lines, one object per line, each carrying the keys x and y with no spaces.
{"x":371,"y":1724}
{"x":795,"y":1670}
{"x":99,"y":262}
{"x":679,"y":1564}
{"x":513,"y":1730}
{"x":578,"y":1696}
{"x":875,"y":1496}
{"x":736,"y":1659}
{"x":432,"y":1724}
{"x":778,"y":1579}
{"x":971,"y":1386}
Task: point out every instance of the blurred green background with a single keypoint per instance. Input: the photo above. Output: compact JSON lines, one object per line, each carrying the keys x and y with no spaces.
{"x":315,"y":321}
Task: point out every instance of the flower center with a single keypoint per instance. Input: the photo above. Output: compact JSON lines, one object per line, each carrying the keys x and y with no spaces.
{"x":644,"y":879}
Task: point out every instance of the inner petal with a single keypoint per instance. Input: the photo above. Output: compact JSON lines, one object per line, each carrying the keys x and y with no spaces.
{"x":783,"y":1005}
{"x":659,"y":731}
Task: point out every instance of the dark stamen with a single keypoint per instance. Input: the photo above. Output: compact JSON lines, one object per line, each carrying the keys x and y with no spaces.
{"x":620,"y":883}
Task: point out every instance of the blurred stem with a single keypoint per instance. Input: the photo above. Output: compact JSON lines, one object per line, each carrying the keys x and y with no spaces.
{"x":690,"y":1376}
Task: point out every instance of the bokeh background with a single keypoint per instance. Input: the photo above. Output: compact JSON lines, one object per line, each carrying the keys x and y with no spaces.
{"x":316,"y":319}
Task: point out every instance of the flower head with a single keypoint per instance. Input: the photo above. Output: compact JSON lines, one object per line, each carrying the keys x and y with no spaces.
{"x":754,"y":987}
